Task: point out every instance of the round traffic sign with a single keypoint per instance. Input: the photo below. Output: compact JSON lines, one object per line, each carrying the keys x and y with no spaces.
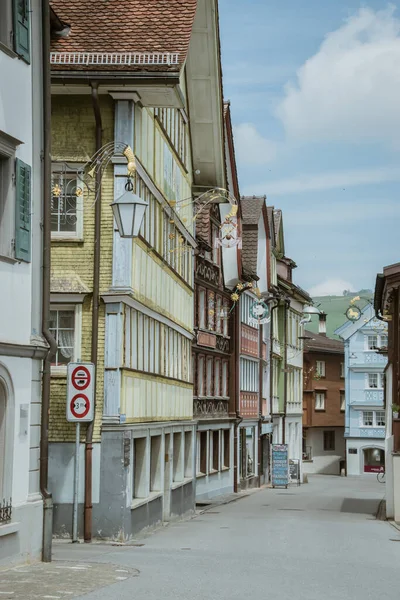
{"x":79,"y":406}
{"x":80,"y":378}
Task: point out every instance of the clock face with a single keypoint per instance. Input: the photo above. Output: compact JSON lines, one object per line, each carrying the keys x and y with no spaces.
{"x":353,"y":313}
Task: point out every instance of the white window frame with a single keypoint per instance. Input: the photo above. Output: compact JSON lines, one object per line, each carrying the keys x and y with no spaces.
{"x":382,"y":412}
{"x":342,"y":400}
{"x":320,"y":368}
{"x":363,"y":418}
{"x":370,"y":381}
{"x":7,"y":470}
{"x":382,"y":337}
{"x":320,"y":401}
{"x":8,"y":199}
{"x":342,"y":371}
{"x":372,"y":342}
{"x":57,"y":169}
{"x":77,"y":308}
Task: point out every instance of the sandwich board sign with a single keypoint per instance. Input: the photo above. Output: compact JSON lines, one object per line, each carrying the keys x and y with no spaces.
{"x":80,"y":387}
{"x":280,"y":465}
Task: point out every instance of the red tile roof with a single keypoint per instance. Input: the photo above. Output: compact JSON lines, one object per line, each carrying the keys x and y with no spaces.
{"x":126,"y":26}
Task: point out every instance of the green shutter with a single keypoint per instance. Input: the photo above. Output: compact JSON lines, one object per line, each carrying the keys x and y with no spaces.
{"x":21,"y":29}
{"x":23,"y":212}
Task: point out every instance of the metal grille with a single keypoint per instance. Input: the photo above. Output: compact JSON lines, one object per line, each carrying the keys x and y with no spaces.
{"x":5,"y":511}
{"x":114,"y":58}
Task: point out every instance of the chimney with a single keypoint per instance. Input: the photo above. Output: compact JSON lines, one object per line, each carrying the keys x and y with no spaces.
{"x":322,"y":323}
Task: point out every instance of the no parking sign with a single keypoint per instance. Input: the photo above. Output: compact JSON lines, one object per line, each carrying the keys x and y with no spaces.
{"x":80,"y":401}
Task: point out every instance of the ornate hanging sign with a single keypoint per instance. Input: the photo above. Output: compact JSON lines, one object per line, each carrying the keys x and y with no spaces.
{"x":259,"y":313}
{"x":353,"y":313}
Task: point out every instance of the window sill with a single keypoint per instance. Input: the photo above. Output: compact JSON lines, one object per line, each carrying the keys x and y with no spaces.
{"x":200,"y":475}
{"x":9,"y":259}
{"x":68,"y":240}
{"x":320,"y":410}
{"x":9,"y":528}
{"x":58,"y":372}
{"x":177,"y":484}
{"x":8,"y":50}
{"x":213,"y":471}
{"x":136,"y":502}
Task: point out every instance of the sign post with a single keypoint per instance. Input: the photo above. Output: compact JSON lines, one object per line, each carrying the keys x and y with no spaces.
{"x":280,"y":465}
{"x":80,"y":409}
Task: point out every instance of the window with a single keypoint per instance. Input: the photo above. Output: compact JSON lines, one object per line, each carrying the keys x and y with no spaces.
{"x":14,"y":26}
{"x":329,"y":441}
{"x":188,"y":454}
{"x":62,"y":326}
{"x":178,"y":458}
{"x":218,"y":326}
{"x":249,"y":374}
{"x":226,"y":454}
{"x":380,"y":418}
{"x":320,"y":368}
{"x":215,"y":450}
{"x":246,"y":302}
{"x":201,"y":308}
{"x":320,"y":401}
{"x":373,"y":380}
{"x":202,"y":452}
{"x":200,"y":376}
{"x":368,"y":418}
{"x":211,"y":310}
{"x":66,"y":204}
{"x":155,"y":463}
{"x":5,"y":492}
{"x":225,"y":381}
{"x":383,"y":341}
{"x":216,"y":253}
{"x":226,"y":320}
{"x":382,"y":380}
{"x":342,"y":400}
{"x":140,"y":486}
{"x":209,"y":380}
{"x":372,"y":342}
{"x":342,"y":370}
{"x":217,"y":378}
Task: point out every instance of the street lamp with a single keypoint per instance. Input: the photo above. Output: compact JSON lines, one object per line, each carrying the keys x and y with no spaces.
{"x":128,"y":212}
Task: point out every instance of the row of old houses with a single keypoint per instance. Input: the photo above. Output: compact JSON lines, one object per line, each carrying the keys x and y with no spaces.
{"x":192,"y":319}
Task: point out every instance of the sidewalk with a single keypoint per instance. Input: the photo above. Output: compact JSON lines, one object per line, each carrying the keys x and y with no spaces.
{"x":60,"y":579}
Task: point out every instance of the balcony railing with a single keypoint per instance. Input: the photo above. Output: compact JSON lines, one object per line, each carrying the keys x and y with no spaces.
{"x":5,"y":511}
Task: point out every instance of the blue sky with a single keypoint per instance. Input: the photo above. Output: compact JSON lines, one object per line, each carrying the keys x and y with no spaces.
{"x":314,"y":87}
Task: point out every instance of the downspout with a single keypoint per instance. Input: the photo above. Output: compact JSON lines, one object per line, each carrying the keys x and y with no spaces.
{"x":95,"y":319}
{"x":235,"y":392}
{"x":260,"y":390}
{"x":271,"y":351}
{"x":46,"y":236}
{"x":285,"y":373}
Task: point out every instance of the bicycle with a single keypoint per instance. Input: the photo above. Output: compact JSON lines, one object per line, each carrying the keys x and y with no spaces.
{"x":381,"y":477}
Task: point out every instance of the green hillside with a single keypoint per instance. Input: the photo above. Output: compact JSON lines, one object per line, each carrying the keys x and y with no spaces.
{"x":335,"y":308}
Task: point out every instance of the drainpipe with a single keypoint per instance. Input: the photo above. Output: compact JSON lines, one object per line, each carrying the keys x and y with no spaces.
{"x":95,"y":319}
{"x":235,"y":392}
{"x":46,"y":173}
{"x":285,"y":373}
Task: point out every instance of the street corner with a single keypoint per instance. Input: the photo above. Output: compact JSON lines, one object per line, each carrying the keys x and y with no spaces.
{"x":60,"y":580}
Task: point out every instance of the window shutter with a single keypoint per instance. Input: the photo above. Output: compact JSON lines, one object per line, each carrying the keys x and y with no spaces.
{"x":23,"y":212}
{"x":22,"y":29}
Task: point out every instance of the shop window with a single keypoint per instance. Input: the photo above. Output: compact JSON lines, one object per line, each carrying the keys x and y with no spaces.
{"x":155,"y":463}
{"x":188,"y":454}
{"x":226,"y":455}
{"x":139,"y":468}
{"x":215,"y":450}
{"x":178,"y":458}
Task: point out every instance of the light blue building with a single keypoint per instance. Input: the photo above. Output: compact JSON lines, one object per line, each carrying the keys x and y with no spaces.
{"x":364,"y":385}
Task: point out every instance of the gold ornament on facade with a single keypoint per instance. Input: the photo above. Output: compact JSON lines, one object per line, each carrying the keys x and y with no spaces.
{"x":235,"y":297}
{"x":56,"y":191}
{"x":79,"y":192}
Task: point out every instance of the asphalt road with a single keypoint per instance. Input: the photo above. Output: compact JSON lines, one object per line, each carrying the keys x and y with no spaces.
{"x":319,"y":541}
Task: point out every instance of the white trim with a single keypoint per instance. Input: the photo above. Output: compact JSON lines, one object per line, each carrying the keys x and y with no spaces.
{"x":114,"y":58}
{"x":77,"y":308}
{"x":67,"y":298}
{"x":9,"y":528}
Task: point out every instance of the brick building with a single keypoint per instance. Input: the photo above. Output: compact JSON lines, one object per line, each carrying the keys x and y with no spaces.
{"x":324,"y":448}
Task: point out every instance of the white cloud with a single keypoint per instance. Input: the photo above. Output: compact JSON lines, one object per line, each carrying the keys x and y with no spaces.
{"x":330,"y":287}
{"x":328,"y":181}
{"x":251,"y":147}
{"x":349,"y":90}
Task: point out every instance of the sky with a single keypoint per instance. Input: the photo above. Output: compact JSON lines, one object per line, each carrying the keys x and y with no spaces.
{"x":314,"y":87}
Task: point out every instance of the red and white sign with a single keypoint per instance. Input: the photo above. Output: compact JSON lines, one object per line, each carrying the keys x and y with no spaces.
{"x":80,"y":401}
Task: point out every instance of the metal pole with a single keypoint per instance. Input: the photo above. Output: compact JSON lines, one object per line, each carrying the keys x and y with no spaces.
{"x":76,"y":485}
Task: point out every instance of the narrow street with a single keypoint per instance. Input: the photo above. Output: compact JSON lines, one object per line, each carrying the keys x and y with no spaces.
{"x":317,"y":541}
